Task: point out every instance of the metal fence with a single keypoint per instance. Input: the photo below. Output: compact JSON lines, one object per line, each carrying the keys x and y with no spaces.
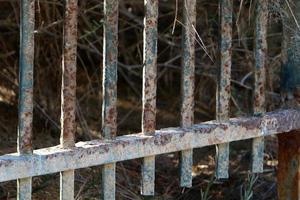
{"x":69,"y":156}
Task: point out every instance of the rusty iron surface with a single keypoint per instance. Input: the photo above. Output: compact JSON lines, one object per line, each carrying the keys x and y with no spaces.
{"x":68,"y":89}
{"x":108,"y":181}
{"x":110,"y":69}
{"x":187,"y":85}
{"x":223,"y":87}
{"x":260,"y":52}
{"x":150,"y":66}
{"x":98,"y":152}
{"x":68,"y":93}
{"x":26,"y":65}
{"x":24,"y":188}
{"x":288,"y":166}
{"x":26,"y":77}
{"x":149,"y":90}
{"x":148,"y":176}
{"x":67,"y":185}
{"x":109,"y":96}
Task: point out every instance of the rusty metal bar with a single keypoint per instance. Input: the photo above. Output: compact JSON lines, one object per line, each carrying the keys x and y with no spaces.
{"x":260,"y":79}
{"x":223,"y":89}
{"x":288,"y":183}
{"x":149,"y":90}
{"x":188,"y":86}
{"x":26,"y":90}
{"x":68,"y":93}
{"x":99,"y":152}
{"x":109,"y":105}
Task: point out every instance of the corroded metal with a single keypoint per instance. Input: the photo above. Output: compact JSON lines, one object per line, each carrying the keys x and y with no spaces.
{"x":68,"y":89}
{"x":24,"y":188}
{"x":149,"y":89}
{"x":26,"y":90}
{"x":223,"y":88}
{"x":67,"y":185}
{"x":148,"y":175}
{"x":110,"y":64}
{"x":108,"y":181}
{"x":98,"y":152}
{"x":260,"y":78}
{"x":288,"y":166}
{"x":26,"y":77}
{"x":188,"y":86}
{"x":109,"y":105}
{"x":68,"y":93}
{"x":150,"y":66}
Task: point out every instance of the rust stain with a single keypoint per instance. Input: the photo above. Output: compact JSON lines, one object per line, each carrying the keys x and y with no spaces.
{"x":224,"y":78}
{"x":68,"y":90}
{"x":149,"y":90}
{"x":109,"y":95}
{"x":187,"y":86}
{"x":260,"y":52}
{"x":26,"y":77}
{"x":288,"y":173}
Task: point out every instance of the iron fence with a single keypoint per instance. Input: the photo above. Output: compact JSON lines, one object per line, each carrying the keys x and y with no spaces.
{"x":69,"y":156}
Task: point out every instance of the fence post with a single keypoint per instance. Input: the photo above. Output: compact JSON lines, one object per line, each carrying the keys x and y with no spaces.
{"x":68,"y":93}
{"x":149,"y":91}
{"x":223,"y":87}
{"x":109,"y":91}
{"x":27,"y":22}
{"x":260,"y":54}
{"x":289,"y":144}
{"x":187,"y":86}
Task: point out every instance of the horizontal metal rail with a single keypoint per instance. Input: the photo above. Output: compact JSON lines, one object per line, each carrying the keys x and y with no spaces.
{"x":98,"y":152}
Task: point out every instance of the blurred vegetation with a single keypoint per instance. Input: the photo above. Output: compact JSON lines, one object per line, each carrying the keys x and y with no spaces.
{"x":47,"y":81}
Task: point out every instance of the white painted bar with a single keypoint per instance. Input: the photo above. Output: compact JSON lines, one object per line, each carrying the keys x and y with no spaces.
{"x":98,"y":152}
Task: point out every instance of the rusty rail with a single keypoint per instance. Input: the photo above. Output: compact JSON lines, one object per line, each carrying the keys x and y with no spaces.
{"x":187,"y":86}
{"x":109,"y":96}
{"x":223,"y":88}
{"x":26,"y":91}
{"x":68,"y":94}
{"x":98,"y":152}
{"x":260,"y":79}
{"x":149,"y":90}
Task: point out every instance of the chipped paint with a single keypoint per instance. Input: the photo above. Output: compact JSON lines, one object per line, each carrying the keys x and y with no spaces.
{"x":67,"y":185}
{"x":150,"y":66}
{"x":148,"y":176}
{"x":223,"y":88}
{"x":24,"y":188}
{"x":187,"y":86}
{"x":98,"y":152}
{"x":26,"y":64}
{"x":149,"y":90}
{"x":68,"y":89}
{"x":108,"y":181}
{"x":260,"y":79}
{"x":109,"y":105}
{"x":26,"y":77}
{"x":68,"y":93}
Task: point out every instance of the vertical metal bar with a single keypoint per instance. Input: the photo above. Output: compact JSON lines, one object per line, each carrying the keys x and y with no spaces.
{"x":68,"y":93}
{"x":260,"y":79}
{"x":188,"y":86}
{"x":26,"y":90}
{"x":109,"y":106}
{"x":223,"y":88}
{"x":149,"y":90}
